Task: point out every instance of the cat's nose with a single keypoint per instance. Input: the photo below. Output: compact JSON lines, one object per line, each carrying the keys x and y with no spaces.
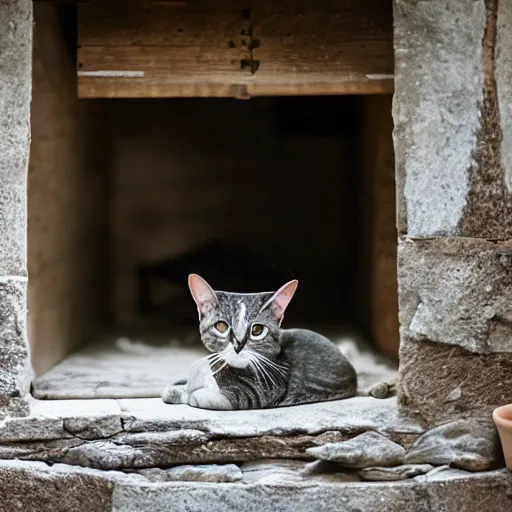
{"x":238,"y":345}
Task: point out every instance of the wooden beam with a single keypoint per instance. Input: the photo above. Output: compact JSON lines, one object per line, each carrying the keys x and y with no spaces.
{"x":379,"y":223}
{"x":223,"y":48}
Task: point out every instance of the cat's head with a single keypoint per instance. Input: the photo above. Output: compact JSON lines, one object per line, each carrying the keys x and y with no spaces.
{"x":238,"y":324}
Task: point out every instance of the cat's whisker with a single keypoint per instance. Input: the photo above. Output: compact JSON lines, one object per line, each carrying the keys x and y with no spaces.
{"x":257,"y":361}
{"x":256,"y":371}
{"x":203,"y":359}
{"x":260,"y":374}
{"x":265,"y":371}
{"x":270,"y":365}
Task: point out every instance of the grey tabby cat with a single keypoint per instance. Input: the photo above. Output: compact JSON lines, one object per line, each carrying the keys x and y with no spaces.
{"x":254,"y":363}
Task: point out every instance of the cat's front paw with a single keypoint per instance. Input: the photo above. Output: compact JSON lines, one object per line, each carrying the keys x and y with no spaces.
{"x":175,"y":395}
{"x":208,"y":399}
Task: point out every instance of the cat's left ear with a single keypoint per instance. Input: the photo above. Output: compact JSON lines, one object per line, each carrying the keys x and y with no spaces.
{"x":202,"y":293}
{"x":280,"y":300}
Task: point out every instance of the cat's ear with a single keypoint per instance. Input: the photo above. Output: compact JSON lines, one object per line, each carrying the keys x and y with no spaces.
{"x":202,"y":293}
{"x":280,"y":300}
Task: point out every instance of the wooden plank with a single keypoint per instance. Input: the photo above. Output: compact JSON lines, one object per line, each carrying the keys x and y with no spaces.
{"x":337,"y":40}
{"x":380,"y":234}
{"x":220,"y":48}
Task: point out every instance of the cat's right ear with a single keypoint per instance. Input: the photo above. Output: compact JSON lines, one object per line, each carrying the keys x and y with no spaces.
{"x":202,"y":293}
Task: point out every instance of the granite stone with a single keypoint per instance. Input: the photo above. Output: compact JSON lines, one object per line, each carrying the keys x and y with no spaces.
{"x":34,"y":487}
{"x":456,"y":291}
{"x":14,"y":377}
{"x":214,"y":473}
{"x":394,"y":473}
{"x":15,"y":97}
{"x":439,"y":79}
{"x":470,"y":444}
{"x":364,"y":450}
{"x":439,"y":382}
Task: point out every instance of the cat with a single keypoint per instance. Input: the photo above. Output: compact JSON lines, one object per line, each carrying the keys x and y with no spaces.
{"x":254,"y":363}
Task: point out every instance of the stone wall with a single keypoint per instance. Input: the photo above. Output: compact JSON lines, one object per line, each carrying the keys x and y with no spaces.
{"x":67,"y":209}
{"x":15,"y":93}
{"x":452,"y":122}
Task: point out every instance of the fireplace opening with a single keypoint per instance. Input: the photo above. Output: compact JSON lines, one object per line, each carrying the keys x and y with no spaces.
{"x":128,"y":196}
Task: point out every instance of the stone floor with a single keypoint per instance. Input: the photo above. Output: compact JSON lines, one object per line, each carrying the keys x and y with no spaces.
{"x":144,"y":433}
{"x":34,"y":486}
{"x":118,"y":365}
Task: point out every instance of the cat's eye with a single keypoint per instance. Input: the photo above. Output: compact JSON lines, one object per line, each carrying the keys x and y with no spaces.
{"x":258,"y":331}
{"x":221,"y":327}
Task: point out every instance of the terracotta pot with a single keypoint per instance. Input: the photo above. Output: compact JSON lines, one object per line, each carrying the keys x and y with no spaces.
{"x":502,"y":416}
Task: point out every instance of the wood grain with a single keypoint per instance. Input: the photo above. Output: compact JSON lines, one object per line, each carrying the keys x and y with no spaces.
{"x":380,"y":234}
{"x":207,"y":48}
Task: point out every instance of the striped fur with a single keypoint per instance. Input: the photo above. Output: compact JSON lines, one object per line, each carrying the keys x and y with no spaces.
{"x":284,"y":367}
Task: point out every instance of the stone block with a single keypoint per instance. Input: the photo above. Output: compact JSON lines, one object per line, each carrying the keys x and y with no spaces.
{"x":289,"y":497}
{"x":13,"y":228}
{"x":394,"y":473}
{"x":456,"y":491}
{"x":35,"y":487}
{"x":455,"y":314}
{"x":456,"y":292}
{"x":452,"y":118}
{"x":15,"y":89}
{"x":362,"y":451}
{"x":15,"y":95}
{"x":439,"y":382}
{"x":436,"y":109}
{"x":14,"y":374}
{"x":471,"y":444}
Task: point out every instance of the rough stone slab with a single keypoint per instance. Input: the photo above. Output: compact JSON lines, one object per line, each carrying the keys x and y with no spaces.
{"x":214,"y":473}
{"x":439,"y":383}
{"x":456,"y":291}
{"x":179,"y":447}
{"x":147,"y":364}
{"x":449,"y":493}
{"x":14,"y":374}
{"x":454,"y":490}
{"x":350,"y":415}
{"x":395,"y":473}
{"x":471,"y":444}
{"x":51,"y":420}
{"x":47,"y":451}
{"x":34,"y":487}
{"x":436,"y":109}
{"x":362,"y":451}
{"x":287,"y":497}
{"x":147,"y":433}
{"x":143,"y":369}
{"x":273,"y":471}
{"x":285,"y":471}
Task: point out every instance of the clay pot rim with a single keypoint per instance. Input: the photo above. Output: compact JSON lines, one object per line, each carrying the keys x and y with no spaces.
{"x":502,"y":416}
